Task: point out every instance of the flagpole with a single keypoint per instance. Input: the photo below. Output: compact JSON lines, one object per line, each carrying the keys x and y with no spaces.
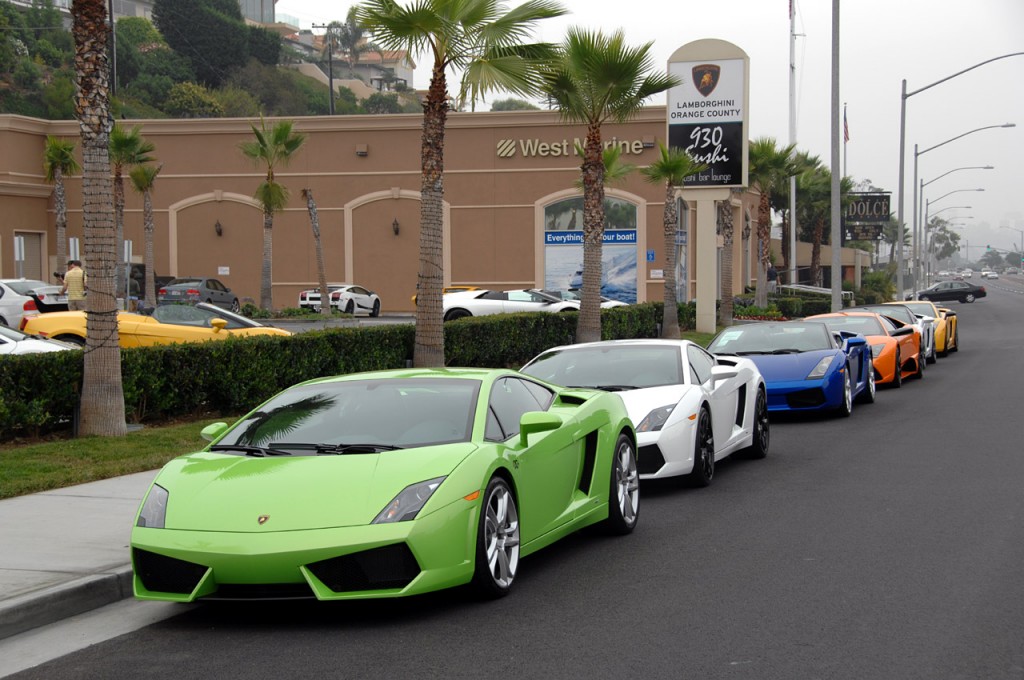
{"x":846,"y":139}
{"x":792,"y":140}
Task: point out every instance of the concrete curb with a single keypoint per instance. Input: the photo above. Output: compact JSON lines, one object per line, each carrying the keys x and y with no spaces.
{"x":49,"y":605}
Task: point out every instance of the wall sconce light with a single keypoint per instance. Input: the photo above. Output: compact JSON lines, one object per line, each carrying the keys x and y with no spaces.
{"x":362,"y":150}
{"x":217,"y":228}
{"x":395,"y":226}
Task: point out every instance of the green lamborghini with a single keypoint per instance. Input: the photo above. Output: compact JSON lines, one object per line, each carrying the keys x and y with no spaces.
{"x":386,"y":484}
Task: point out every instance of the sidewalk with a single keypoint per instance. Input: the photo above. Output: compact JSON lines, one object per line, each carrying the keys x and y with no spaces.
{"x":65,"y":551}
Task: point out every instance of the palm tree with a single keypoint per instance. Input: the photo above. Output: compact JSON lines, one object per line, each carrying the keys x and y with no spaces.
{"x":814,"y":194}
{"x":58,"y":161}
{"x":350,"y":41}
{"x":143,"y":177}
{"x":769,"y":166}
{"x":272,"y":148}
{"x":102,"y":396}
{"x":314,"y":222}
{"x":598,"y":79}
{"x":479,"y":38}
{"x":672,"y":166}
{"x":127,"y":149}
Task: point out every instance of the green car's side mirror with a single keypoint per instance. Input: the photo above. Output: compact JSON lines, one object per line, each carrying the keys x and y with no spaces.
{"x":537,"y":421}
{"x":213,"y":430}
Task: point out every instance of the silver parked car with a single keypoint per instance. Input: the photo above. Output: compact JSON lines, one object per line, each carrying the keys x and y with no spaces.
{"x":195,"y":289}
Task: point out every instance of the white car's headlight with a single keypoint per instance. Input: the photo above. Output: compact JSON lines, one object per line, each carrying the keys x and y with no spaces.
{"x":154,"y":510}
{"x":876,"y":350}
{"x":408,"y":502}
{"x":656,"y":419}
{"x":821,"y":369}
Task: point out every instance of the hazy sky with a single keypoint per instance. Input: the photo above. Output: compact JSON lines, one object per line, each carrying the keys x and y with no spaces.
{"x":881,"y":43}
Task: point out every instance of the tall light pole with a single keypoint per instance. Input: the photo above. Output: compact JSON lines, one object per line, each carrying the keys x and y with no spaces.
{"x":836,"y":230}
{"x":916,"y":225}
{"x":904,"y":95}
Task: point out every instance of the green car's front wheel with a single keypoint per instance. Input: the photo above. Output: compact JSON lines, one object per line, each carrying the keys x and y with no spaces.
{"x":497,"y":550}
{"x":624,"y":495}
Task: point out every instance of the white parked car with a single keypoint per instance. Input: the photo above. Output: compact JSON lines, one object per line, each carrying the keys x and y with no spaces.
{"x":690,"y":408}
{"x":483,"y":302}
{"x":576,"y":293}
{"x":18,"y":299}
{"x":989,"y":274}
{"x":16,"y":342}
{"x":345,"y":297}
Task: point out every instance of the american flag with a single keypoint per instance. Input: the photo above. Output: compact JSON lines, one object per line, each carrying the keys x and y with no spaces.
{"x":846,"y":128}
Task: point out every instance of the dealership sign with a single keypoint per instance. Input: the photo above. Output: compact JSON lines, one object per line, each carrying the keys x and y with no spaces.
{"x":865,"y":215}
{"x":707,"y":111}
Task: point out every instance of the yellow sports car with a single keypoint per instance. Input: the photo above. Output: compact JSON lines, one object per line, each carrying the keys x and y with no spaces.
{"x":946,"y":337}
{"x":166,"y":324}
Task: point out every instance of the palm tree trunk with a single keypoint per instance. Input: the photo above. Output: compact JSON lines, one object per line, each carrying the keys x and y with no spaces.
{"x":266,"y":299}
{"x":786,"y":222}
{"x":819,"y":228}
{"x":61,"y":205}
{"x":670,"y":314}
{"x":119,"y":263}
{"x":764,"y":235}
{"x":148,"y":256}
{"x":102,"y":397}
{"x":429,"y":342}
{"x":725,"y":220}
{"x":314,"y":222}
{"x":588,"y":328}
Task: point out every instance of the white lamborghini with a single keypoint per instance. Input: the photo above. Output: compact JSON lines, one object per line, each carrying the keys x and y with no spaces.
{"x":690,"y":408}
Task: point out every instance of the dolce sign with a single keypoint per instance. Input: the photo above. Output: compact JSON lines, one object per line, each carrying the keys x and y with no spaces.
{"x":534,"y":148}
{"x":867,"y":208}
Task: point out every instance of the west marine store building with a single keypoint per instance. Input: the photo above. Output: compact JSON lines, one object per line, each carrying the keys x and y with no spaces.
{"x":513,"y":215}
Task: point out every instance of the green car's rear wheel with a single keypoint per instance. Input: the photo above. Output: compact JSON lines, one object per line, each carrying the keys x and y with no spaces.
{"x":624,"y":494}
{"x":497,"y":551}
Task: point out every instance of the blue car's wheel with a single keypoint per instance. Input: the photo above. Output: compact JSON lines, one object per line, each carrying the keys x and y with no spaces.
{"x":868,"y":395}
{"x":624,"y":491}
{"x":497,"y":550}
{"x":846,"y":407}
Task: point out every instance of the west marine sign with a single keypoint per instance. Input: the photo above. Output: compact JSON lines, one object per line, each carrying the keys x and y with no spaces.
{"x":536,"y":148}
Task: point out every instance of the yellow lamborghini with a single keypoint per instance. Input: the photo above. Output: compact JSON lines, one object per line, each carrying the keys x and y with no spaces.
{"x":946,"y":338}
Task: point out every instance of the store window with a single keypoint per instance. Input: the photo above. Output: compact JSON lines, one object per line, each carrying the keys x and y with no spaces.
{"x":563,"y":247}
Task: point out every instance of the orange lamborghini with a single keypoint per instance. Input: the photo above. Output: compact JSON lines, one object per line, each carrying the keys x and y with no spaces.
{"x":895,"y":350}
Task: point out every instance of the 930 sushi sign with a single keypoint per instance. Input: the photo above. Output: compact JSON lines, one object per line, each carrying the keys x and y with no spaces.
{"x":707,"y":114}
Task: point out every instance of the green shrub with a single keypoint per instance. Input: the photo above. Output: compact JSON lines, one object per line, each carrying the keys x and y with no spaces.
{"x":819,"y":305}
{"x":791,"y":307}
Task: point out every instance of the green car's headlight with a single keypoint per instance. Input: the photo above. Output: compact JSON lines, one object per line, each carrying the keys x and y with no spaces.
{"x":656,"y":419}
{"x":154,"y":510}
{"x":820,"y":370}
{"x":408,"y":502}
{"x":876,"y":350}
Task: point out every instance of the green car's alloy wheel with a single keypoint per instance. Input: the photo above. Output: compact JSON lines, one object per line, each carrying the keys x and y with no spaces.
{"x":704,"y":456}
{"x":497,"y":553}
{"x":624,"y":494}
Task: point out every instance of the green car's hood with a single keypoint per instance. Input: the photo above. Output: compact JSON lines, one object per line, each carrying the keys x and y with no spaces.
{"x":217,"y":492}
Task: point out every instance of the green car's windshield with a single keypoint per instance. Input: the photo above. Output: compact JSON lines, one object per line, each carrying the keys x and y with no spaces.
{"x":613,"y":368}
{"x":359,"y":416}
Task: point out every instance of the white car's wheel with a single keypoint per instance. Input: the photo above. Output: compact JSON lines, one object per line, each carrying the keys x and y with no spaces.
{"x":704,"y":452}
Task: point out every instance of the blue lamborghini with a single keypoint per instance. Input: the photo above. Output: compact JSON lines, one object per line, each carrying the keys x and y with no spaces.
{"x":805,"y":366}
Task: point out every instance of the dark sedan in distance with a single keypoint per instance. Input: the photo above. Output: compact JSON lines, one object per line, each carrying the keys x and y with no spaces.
{"x":194,"y":289}
{"x":952,"y":290}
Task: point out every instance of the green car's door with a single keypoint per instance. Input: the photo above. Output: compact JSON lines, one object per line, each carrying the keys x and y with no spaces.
{"x":547,"y":468}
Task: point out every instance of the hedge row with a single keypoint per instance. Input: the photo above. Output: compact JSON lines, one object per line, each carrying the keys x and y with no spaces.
{"x":39,"y":392}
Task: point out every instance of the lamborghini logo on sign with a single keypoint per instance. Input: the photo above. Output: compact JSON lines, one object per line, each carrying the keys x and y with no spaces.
{"x":705,"y":78}
{"x":506,"y":148}
{"x":262,"y":519}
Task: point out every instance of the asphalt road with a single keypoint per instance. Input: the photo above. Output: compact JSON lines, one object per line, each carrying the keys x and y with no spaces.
{"x":888,"y":545}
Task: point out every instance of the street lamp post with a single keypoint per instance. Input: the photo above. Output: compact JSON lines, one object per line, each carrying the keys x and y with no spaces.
{"x":904,"y":95}
{"x":917,"y":154}
{"x":919,"y":203}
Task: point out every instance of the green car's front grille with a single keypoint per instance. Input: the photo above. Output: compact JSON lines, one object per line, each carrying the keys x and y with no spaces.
{"x":163,"y":574}
{"x":384,"y":568}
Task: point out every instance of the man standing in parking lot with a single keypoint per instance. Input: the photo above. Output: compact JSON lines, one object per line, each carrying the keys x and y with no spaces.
{"x":74,"y":286}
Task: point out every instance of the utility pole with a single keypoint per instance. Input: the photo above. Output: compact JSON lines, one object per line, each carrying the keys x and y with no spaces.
{"x":329,"y":37}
